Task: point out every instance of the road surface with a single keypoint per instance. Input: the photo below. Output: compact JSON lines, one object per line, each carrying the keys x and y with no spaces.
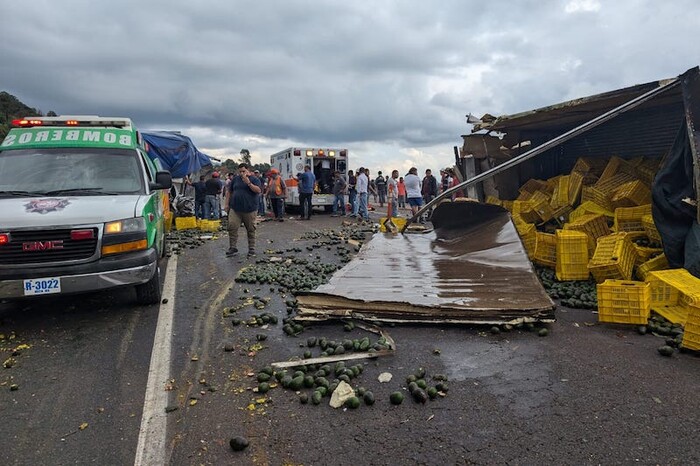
{"x":84,"y":365}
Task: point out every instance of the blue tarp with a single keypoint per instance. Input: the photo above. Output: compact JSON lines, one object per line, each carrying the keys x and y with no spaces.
{"x":176,"y":152}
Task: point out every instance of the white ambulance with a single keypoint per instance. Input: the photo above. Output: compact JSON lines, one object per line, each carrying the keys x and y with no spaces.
{"x":323,"y":162}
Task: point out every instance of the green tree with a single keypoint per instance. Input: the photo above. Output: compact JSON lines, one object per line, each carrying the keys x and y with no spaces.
{"x":263,"y":167}
{"x":12,"y":108}
{"x":245,"y":157}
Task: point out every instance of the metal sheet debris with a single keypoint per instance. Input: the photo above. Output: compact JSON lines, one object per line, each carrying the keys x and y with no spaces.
{"x":472,"y":268}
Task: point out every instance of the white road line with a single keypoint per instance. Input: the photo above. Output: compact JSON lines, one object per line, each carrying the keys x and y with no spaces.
{"x":154,"y":421}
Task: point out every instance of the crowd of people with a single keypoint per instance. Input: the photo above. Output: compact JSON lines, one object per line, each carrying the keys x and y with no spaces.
{"x":245,"y":195}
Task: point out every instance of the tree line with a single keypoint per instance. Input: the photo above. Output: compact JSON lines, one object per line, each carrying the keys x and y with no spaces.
{"x":11,"y":108}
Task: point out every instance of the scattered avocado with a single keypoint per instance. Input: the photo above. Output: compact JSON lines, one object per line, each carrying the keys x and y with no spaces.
{"x":263,"y":387}
{"x":353,"y":402}
{"x":238,"y":443}
{"x":396,"y":398}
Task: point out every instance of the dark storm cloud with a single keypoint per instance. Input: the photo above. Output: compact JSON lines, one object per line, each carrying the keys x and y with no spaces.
{"x":402,"y":74}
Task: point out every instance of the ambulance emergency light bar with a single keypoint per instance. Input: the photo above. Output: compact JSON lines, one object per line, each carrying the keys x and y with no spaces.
{"x":320,"y":153}
{"x":70,"y":120}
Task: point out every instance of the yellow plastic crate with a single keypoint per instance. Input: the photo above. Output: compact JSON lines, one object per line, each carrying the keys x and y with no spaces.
{"x":524,"y":196}
{"x":561,"y":214}
{"x":647,"y":170}
{"x":545,"y":250}
{"x":493,"y":200}
{"x":399,"y":222}
{"x":210,"y":225}
{"x":594,"y":165}
{"x":571,"y":255}
{"x":185,"y":223}
{"x":612,"y":184}
{"x":560,"y":196}
{"x":630,"y":218}
{"x":673,"y":292}
{"x":575,"y":186}
{"x":594,"y":225}
{"x":544,"y":210}
{"x":657,"y":263}
{"x":589,"y":207}
{"x":532,"y":185}
{"x":528,"y":236}
{"x":644,"y":253}
{"x":691,"y":330}
{"x":525,"y":209}
{"x":624,"y":302}
{"x":631,"y":194}
{"x":596,"y":196}
{"x":650,"y":228}
{"x":616,"y":167}
{"x":540,"y":196}
{"x":613,"y":258}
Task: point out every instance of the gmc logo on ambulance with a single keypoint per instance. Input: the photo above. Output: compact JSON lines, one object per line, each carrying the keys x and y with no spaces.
{"x":42,"y":245}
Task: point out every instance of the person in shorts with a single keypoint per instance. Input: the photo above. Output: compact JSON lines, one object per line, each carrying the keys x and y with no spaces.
{"x":413,"y":190}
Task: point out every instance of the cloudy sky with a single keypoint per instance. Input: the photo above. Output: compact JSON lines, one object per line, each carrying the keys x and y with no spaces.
{"x":391,"y":81}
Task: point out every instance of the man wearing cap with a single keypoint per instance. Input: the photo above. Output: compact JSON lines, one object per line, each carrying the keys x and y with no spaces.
{"x":212,"y":189}
{"x":277,"y":192}
{"x":241,"y":206}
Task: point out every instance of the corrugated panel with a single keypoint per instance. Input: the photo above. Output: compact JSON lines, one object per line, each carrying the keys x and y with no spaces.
{"x":647,"y":132}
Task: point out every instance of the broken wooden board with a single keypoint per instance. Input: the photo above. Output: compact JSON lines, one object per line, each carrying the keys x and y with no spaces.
{"x":472,"y":268}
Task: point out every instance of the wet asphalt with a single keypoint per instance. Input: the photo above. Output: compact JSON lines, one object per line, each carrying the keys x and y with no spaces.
{"x":585,"y":394}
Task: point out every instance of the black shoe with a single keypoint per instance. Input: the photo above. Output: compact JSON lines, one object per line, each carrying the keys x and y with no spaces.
{"x":231,"y":252}
{"x":251,"y":252}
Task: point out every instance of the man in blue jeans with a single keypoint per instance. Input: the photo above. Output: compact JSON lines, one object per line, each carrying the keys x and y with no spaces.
{"x":339,"y":188}
{"x":352,"y":193}
{"x":212,"y":208}
{"x":362,"y":191}
{"x":199,"y":197}
{"x":307,"y":181}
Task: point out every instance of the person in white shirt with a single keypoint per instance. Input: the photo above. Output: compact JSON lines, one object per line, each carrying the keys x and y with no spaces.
{"x":413,"y":190}
{"x":393,"y":193}
{"x":362,"y":188}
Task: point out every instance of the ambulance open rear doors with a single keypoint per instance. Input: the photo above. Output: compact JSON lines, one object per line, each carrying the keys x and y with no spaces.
{"x":323,"y":162}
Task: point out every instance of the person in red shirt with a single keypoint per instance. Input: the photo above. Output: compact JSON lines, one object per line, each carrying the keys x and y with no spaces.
{"x":402,"y":192}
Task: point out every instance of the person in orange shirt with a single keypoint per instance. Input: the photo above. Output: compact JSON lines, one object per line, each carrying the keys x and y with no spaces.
{"x":402,"y":192}
{"x":276,"y":191}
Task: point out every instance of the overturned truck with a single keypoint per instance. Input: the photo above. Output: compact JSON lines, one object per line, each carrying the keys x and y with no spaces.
{"x":473,"y":267}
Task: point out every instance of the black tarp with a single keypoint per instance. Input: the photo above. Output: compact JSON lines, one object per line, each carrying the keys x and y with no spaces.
{"x":674,"y":218}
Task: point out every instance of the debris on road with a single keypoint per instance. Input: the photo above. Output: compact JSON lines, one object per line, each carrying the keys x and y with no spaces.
{"x":341,"y":394}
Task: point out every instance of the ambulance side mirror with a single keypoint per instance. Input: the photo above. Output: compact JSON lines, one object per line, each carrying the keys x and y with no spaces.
{"x":163,"y":181}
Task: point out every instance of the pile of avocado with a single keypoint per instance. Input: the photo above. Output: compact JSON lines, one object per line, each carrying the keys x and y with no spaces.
{"x":661,"y":327}
{"x":417,"y":386}
{"x":572,"y":294}
{"x":298,"y":274}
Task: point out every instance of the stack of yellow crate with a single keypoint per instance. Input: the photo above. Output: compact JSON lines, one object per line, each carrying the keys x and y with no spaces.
{"x":597,"y":197}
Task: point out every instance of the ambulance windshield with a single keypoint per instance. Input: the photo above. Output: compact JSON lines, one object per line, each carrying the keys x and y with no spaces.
{"x":78,"y":172}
